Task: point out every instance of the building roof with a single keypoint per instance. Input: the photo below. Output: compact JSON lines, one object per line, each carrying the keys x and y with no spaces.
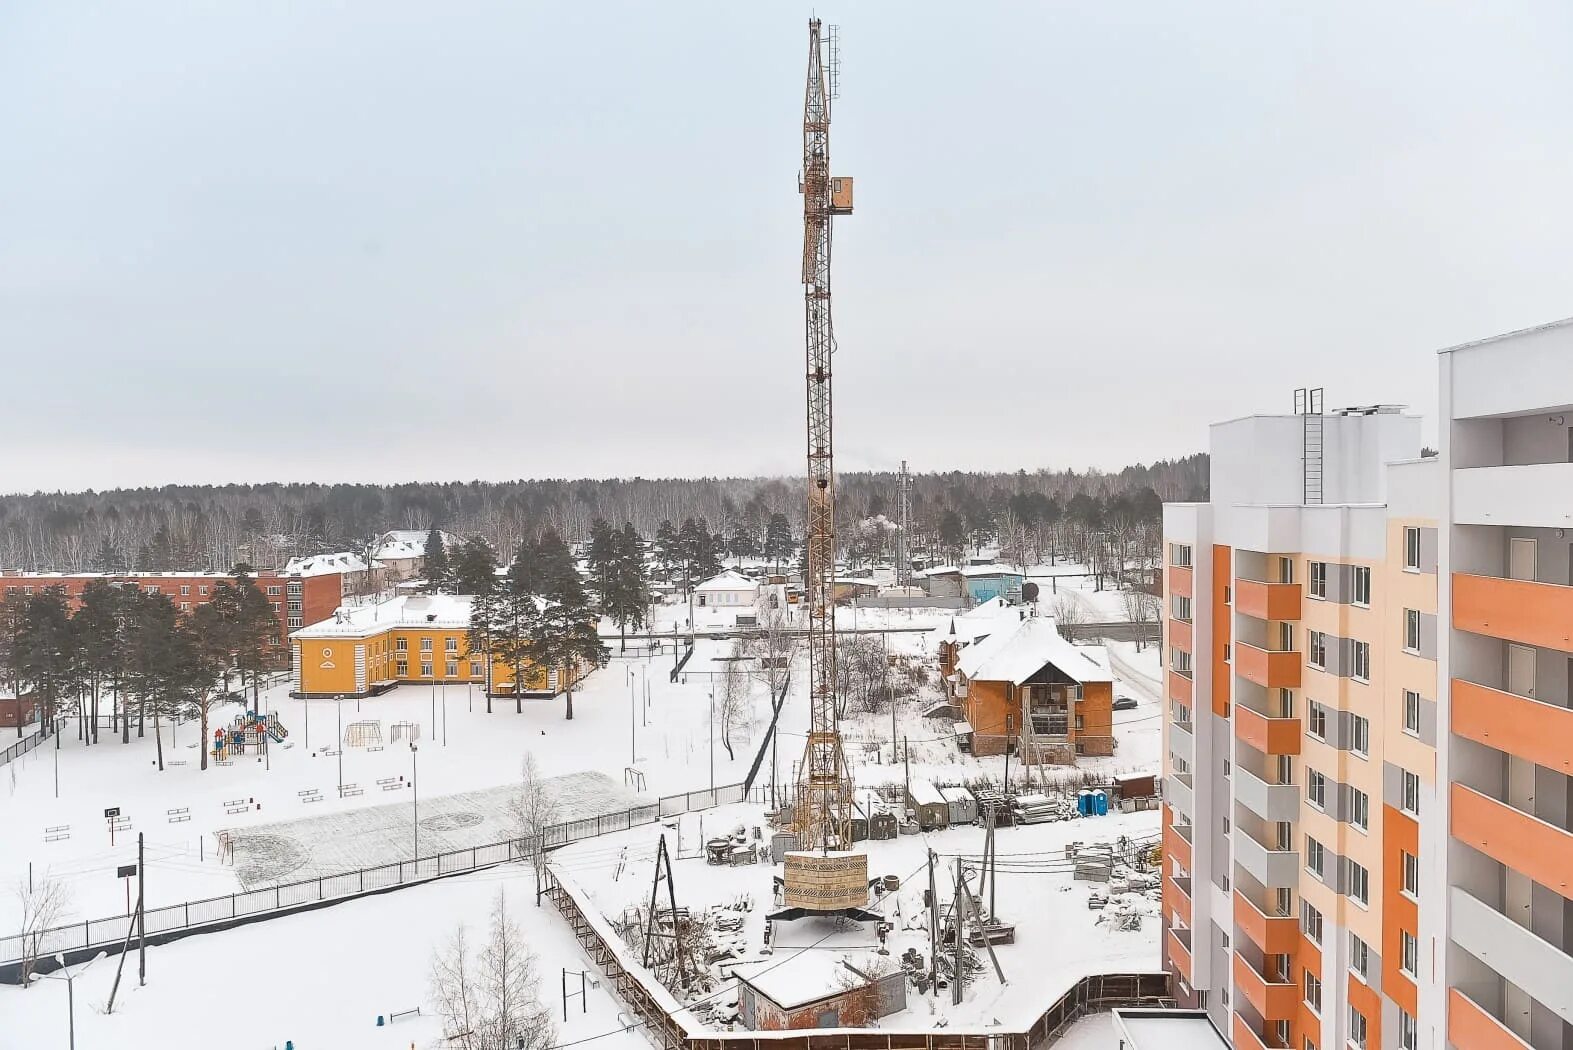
{"x":972,"y":571}
{"x":1141,"y":1029}
{"x":436,"y":611}
{"x":799,"y":975}
{"x":1015,"y":656}
{"x":728,"y":580}
{"x":400,"y":544}
{"x":325,"y":564}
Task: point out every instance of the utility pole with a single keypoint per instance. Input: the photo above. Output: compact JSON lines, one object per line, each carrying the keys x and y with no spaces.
{"x":415,"y":795}
{"x":141,"y":912}
{"x":903,"y":548}
{"x":933,"y":929}
{"x":338,"y":745}
{"x":955,"y":921}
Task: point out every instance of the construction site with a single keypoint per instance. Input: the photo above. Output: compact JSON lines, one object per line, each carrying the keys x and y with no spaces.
{"x":936,"y":915}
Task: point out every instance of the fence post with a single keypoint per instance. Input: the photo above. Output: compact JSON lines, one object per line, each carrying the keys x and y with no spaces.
{"x":188,"y":914}
{"x":231,"y":905}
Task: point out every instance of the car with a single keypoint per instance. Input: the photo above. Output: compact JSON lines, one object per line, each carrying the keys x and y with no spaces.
{"x":1125,"y":703}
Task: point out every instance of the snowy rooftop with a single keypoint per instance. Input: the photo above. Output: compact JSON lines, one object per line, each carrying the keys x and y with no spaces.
{"x":727,"y":580}
{"x":325,"y":564}
{"x":810,"y":961}
{"x":1167,"y":1030}
{"x":974,"y":571}
{"x":1015,"y":656}
{"x":442,"y":611}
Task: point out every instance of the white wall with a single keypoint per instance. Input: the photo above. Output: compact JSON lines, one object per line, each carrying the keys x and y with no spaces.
{"x":1513,"y":374}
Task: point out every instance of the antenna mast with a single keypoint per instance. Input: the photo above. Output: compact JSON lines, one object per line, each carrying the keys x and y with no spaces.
{"x":823,"y":813}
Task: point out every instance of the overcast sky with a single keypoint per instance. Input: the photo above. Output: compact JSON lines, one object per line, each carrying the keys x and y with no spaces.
{"x":384,"y":241}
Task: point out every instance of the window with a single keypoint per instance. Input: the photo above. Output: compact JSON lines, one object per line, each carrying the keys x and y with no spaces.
{"x":1411,"y":874}
{"x":1285,"y":570}
{"x":1408,"y":953}
{"x":1180,"y":607}
{"x":402,"y":644}
{"x":1360,"y":809}
{"x":1316,"y":721}
{"x":1361,"y":672}
{"x":1412,"y":630}
{"x":151,"y":589}
{"x":1316,"y":654}
{"x":1362,"y":585}
{"x":1359,"y":956}
{"x":296,"y":621}
{"x":185,"y":590}
{"x":273,"y":588}
{"x":425,"y":669}
{"x":1360,"y":735}
{"x":294,"y":586}
{"x":1313,"y":991}
{"x":1286,"y":637}
{"x":1410,"y":800}
{"x":1411,"y":712}
{"x":1408,"y":1036}
{"x":1316,"y":788}
{"x":451,"y":644}
{"x":1313,"y":924}
{"x":185,"y":606}
{"x":1308,"y":1044}
{"x":402,"y":669}
{"x":1179,"y":714}
{"x":294,"y":605}
{"x":1180,"y":661}
{"x":1228,"y":652}
{"x":1285,"y":703}
{"x":1412,"y":549}
{"x":475,"y":668}
{"x":453,"y":669}
{"x":1180,"y":554}
{"x":1356,"y":1029}
{"x":1315,"y":857}
{"x":1359,"y":883}
{"x":425,"y":645}
{"x":203,"y":588}
{"x":1319,"y":579}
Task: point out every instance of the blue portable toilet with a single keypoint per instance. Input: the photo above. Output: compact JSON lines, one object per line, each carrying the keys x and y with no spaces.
{"x":1100,"y":803}
{"x":1084,"y":802}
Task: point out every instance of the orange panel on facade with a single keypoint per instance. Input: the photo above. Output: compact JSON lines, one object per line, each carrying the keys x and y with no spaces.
{"x":1470,"y":1028}
{"x":1542,"y":851}
{"x":1246,"y":1037}
{"x":1400,"y":913}
{"x":1173,"y":845}
{"x":1366,"y":999}
{"x":1275,"y":935}
{"x":1270,"y":736}
{"x":1181,"y":688}
{"x":1267,"y":601}
{"x":1180,"y":956}
{"x":1180,"y":635}
{"x":1180,"y":580}
{"x":1518,"y":610}
{"x":1222,"y":618}
{"x":1274,"y":670}
{"x":1275,"y":1001}
{"x":1530,"y":729}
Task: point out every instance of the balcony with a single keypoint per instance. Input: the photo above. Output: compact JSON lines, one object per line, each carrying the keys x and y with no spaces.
{"x":1530,"y":729}
{"x":1468,"y":1024}
{"x":1270,"y":736}
{"x":1180,"y":635}
{"x":1181,"y":687}
{"x":1177,"y":845}
{"x":1180,"y":951}
{"x":1180,"y":580}
{"x":1526,"y":844}
{"x":1541,"y":970}
{"x":1182,"y":742}
{"x":1516,"y":610}
{"x":1272,"y":868}
{"x":1178,"y":789}
{"x":1267,"y":601}
{"x":1278,"y":803}
{"x":1246,"y":1037}
{"x":1275,"y":1000}
{"x":1272,"y":669}
{"x":1180,"y":889}
{"x":1538,"y":495}
{"x":1273,"y":934}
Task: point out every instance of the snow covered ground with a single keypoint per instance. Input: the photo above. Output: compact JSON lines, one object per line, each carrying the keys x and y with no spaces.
{"x":319,"y":979}
{"x":1036,"y":892}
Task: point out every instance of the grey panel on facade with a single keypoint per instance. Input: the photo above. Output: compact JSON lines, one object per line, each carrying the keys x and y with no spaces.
{"x":1428,"y":635}
{"x":1428,"y":544}
{"x":1341,"y":729}
{"x":1339,"y":803}
{"x":1340,"y":583}
{"x":1393,"y":776}
{"x":1427,"y":726}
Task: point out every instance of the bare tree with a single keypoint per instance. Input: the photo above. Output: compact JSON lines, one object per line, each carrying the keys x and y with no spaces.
{"x":1068,"y":615}
{"x":531,"y":809}
{"x":772,"y":646}
{"x":491,"y":1001}
{"x":860,"y":672}
{"x":732,"y":701}
{"x":1141,"y":609}
{"x":43,"y":905}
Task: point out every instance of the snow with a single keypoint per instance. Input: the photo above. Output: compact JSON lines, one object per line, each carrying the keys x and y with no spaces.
{"x":1020,"y":654}
{"x":1036,"y":893}
{"x":1173,"y":1031}
{"x":1092,"y":1032}
{"x":325,"y":564}
{"x":319,"y":978}
{"x":728,"y":580}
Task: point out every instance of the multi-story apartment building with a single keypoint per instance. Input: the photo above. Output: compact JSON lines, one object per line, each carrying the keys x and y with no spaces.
{"x":1368,"y":741}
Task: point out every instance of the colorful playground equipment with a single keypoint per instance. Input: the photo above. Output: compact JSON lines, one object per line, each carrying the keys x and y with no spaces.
{"x":246,"y":732}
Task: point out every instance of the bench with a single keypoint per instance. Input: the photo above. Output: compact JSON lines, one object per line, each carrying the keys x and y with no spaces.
{"x":309,"y":795}
{"x":178,"y":816}
{"x":59,"y":833}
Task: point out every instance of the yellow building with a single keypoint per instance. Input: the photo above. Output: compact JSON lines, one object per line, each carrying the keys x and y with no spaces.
{"x":414,"y":639}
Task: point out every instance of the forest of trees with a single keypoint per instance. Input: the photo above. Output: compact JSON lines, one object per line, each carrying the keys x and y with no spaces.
{"x":215,"y":527}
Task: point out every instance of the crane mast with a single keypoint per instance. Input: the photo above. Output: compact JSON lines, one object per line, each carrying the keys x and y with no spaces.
{"x":823,"y":813}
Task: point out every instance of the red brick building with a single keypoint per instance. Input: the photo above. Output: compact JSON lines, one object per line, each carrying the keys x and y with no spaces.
{"x":299,"y":599}
{"x":15,"y":711}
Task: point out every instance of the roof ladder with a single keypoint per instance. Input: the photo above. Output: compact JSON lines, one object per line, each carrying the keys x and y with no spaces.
{"x":1308,"y":406}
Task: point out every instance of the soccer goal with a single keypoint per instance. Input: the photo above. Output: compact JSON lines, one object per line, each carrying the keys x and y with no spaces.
{"x":363,"y":734}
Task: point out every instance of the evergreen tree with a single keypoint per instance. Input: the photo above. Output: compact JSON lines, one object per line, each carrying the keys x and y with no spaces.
{"x":626,"y":599}
{"x":778,"y":540}
{"x":558,"y":578}
{"x":474,"y":567}
{"x":108,"y":558}
{"x":599,"y":557}
{"x":668,"y":551}
{"x":256,"y":630}
{"x":98,"y":622}
{"x":742,"y":543}
{"x":48,"y":652}
{"x":952,"y":536}
{"x":13,"y":611}
{"x":435,"y":562}
{"x":160,"y":660}
{"x":524,"y":570}
{"x":693,"y":545}
{"x":564,"y":635}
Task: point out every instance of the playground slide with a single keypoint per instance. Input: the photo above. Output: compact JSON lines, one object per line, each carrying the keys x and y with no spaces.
{"x":277,"y":732}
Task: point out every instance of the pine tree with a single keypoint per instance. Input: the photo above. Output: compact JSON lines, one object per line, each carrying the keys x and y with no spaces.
{"x":952,"y":536}
{"x":48,"y":652}
{"x":13,"y":611}
{"x":558,"y":577}
{"x":742,"y":544}
{"x":435,"y":562}
{"x":474,"y":567}
{"x":98,"y":623}
{"x":667,"y":549}
{"x":778,"y":540}
{"x":626,"y":599}
{"x":599,"y":557}
{"x":108,"y":558}
{"x":564,"y":635}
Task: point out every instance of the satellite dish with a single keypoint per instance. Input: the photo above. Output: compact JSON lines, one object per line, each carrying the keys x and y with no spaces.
{"x":1029,"y":591}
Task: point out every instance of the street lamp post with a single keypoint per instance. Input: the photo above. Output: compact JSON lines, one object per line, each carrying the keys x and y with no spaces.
{"x":712,"y":739}
{"x":65,"y":974}
{"x":416,"y":796}
{"x":338,"y":745}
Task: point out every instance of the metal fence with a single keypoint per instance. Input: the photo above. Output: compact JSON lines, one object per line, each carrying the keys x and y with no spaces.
{"x":110,"y":933}
{"x":21,"y":747}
